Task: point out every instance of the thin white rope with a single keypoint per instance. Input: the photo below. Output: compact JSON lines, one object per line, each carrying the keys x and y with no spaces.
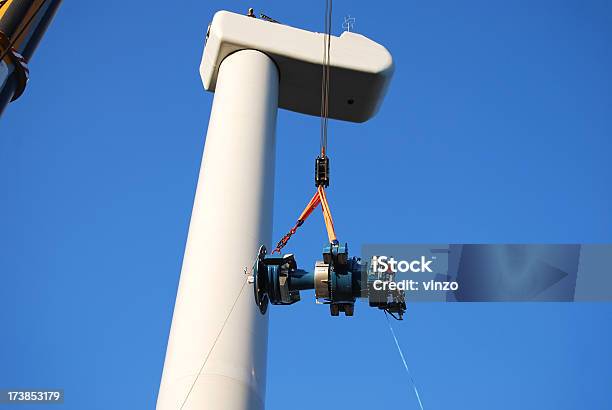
{"x":399,"y":349}
{"x":213,"y":345}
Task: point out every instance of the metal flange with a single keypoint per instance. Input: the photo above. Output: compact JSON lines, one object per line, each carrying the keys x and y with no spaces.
{"x":260,"y":279}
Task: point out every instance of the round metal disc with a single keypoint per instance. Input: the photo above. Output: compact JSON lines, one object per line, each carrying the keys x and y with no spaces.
{"x":259,"y":281}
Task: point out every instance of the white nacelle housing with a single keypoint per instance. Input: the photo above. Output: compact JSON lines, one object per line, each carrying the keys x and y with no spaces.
{"x":360,"y":68}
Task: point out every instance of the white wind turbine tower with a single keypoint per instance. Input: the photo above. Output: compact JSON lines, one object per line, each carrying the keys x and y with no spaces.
{"x":217,"y":349}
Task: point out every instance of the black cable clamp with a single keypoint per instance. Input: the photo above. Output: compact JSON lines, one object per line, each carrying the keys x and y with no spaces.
{"x":322,"y":171}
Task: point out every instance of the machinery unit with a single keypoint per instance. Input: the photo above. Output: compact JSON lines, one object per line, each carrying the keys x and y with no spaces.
{"x":337,"y":281}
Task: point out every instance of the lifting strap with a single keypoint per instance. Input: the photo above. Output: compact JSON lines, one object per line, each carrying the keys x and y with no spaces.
{"x":329,"y":222}
{"x":318,"y":198}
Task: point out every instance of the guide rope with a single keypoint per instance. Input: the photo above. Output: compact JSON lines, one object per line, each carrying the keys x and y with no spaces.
{"x":399,"y":349}
{"x":213,"y":345}
{"x":322,"y":161}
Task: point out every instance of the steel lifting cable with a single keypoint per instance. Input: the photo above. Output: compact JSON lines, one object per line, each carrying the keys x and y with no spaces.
{"x":319,"y":196}
{"x":325,"y":77}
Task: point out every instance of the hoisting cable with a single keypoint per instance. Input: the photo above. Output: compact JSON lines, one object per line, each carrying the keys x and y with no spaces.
{"x":325,"y":76}
{"x":399,"y":349}
{"x":322,"y":161}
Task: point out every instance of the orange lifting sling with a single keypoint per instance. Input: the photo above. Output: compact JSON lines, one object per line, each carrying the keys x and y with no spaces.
{"x":318,"y":198}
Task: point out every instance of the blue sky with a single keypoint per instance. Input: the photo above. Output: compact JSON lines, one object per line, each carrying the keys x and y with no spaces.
{"x":497,"y":128}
